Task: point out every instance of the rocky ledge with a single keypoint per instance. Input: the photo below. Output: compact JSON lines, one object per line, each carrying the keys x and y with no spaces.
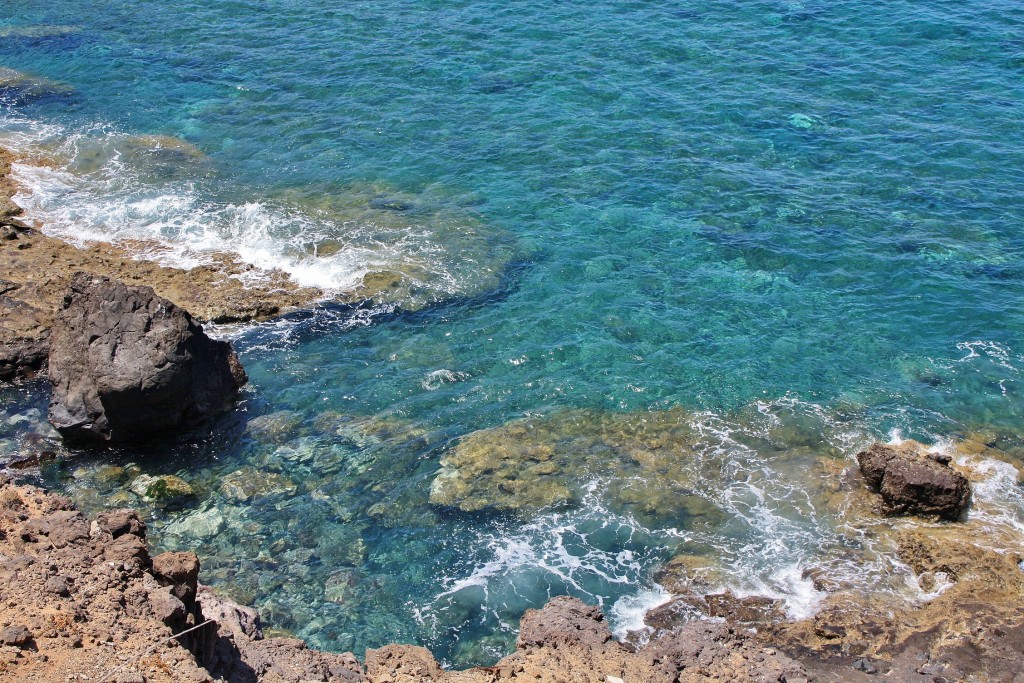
{"x":83,"y":600}
{"x":36,"y":270}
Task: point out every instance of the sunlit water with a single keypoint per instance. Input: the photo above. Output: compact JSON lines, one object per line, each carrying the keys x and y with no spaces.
{"x":798,"y":224}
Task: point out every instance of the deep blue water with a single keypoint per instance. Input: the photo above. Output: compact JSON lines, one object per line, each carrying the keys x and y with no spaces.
{"x":709,"y":206}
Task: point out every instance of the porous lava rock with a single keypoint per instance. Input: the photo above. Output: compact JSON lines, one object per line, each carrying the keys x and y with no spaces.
{"x":126,"y":364}
{"x":912,"y":481}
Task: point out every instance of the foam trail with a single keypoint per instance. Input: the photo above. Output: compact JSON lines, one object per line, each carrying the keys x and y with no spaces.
{"x":628,"y":612}
{"x":102,"y":185}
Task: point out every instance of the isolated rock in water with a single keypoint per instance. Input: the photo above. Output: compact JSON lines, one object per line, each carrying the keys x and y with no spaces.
{"x":912,"y":481}
{"x":126,"y":364}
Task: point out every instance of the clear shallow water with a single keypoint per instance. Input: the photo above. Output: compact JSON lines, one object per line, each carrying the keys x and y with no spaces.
{"x":702,"y":207}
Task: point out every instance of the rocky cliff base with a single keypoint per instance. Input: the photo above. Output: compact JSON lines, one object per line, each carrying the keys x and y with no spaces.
{"x":83,"y":600}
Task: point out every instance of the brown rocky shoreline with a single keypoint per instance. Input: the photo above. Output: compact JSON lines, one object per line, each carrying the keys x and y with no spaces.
{"x":37,"y":269}
{"x":83,"y":600}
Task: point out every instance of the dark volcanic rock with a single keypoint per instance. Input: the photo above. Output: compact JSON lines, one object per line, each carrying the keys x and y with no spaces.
{"x":22,"y":357}
{"x":911,"y":481}
{"x":126,"y":364}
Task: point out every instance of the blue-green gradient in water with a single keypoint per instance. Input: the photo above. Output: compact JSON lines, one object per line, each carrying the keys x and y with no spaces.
{"x":708,"y":205}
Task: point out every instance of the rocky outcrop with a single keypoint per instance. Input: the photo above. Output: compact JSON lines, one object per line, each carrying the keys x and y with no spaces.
{"x":913,"y":481}
{"x":37,"y":270}
{"x":242,"y":655}
{"x":126,"y":364}
{"x":88,"y":598}
{"x":569,"y":642}
{"x":80,"y":598}
{"x":970,"y":629}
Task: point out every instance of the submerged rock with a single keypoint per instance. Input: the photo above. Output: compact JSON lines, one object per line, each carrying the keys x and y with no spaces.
{"x":438,"y":249}
{"x":249,"y":482}
{"x":278,"y":427}
{"x":161,"y":489}
{"x":18,"y":87}
{"x":126,"y":364}
{"x":197,"y":525}
{"x":641,"y":464}
{"x":912,"y":481}
{"x":37,"y":31}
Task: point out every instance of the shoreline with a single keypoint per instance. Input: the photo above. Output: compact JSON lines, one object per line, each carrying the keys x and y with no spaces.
{"x":851,"y":638}
{"x":38,"y":268}
{"x":85,"y":596}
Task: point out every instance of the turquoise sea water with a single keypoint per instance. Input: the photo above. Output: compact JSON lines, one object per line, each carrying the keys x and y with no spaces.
{"x":802,"y":212}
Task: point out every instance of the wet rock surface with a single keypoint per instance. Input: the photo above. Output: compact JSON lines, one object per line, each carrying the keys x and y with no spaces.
{"x":971,"y":628}
{"x":37,"y":270}
{"x":524,"y":466}
{"x":913,"y":481}
{"x":962,"y":621}
{"x":126,"y":365}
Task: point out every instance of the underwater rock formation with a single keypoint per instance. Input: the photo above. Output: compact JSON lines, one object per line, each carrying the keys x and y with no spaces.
{"x":126,"y":364}
{"x":526,"y":465}
{"x":912,"y":481}
{"x":18,"y":88}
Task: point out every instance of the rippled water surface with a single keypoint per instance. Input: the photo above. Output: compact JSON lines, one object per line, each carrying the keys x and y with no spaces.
{"x":738,"y":239}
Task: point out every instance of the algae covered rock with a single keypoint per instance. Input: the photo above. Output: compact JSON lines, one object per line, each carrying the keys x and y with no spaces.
{"x":163,"y":488}
{"x":913,"y":481}
{"x":641,"y":464}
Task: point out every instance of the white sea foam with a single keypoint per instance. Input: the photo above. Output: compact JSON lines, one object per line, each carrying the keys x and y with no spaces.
{"x":112,"y":187}
{"x":628,"y":612}
{"x":185,"y":229}
{"x":997,"y":497}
